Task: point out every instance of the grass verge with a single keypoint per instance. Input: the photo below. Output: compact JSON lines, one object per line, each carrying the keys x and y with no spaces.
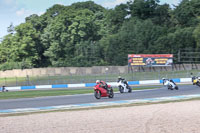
{"x":41,"y":93}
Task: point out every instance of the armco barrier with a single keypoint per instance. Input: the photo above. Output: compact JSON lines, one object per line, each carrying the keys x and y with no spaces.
{"x":144,"y":82}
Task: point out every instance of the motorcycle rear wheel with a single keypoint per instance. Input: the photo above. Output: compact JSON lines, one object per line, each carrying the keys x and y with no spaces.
{"x":170,"y":88}
{"x":121,"y":90}
{"x":111,"y":94}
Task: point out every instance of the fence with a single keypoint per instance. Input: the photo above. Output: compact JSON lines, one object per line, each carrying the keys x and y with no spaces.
{"x":86,"y":78}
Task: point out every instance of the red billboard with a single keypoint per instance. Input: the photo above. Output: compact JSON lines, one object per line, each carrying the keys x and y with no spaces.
{"x":150,"y":59}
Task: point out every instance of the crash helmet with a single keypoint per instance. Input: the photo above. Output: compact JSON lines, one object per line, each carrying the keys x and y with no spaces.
{"x":97,"y":81}
{"x":119,"y":77}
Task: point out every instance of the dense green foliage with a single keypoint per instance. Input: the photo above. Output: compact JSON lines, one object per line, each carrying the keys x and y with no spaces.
{"x":87,"y":34}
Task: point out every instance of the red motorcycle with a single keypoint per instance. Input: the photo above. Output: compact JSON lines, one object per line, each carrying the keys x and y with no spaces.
{"x":99,"y":91}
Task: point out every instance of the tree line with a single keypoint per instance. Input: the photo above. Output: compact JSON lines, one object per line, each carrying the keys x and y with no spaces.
{"x":87,"y":34}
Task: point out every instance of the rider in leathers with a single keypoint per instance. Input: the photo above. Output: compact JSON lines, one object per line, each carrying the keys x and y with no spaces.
{"x":120,"y":78}
{"x":102,"y":84}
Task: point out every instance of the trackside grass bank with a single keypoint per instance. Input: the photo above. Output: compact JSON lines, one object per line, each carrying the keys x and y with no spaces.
{"x":41,"y":93}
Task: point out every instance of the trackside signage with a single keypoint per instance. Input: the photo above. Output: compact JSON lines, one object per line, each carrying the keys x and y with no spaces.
{"x":150,"y":59}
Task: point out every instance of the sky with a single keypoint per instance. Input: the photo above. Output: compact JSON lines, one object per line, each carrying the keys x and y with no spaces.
{"x":15,"y":11}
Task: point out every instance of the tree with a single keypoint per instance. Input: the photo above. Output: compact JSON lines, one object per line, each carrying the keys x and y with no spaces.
{"x":143,"y":9}
{"x":196,"y":35}
{"x":136,"y":37}
{"x":86,"y":34}
{"x":116,"y":17}
{"x":187,"y":12}
{"x":69,"y":30}
{"x":181,"y":38}
{"x":5,"y":48}
{"x":162,"y":15}
{"x":11,"y":28}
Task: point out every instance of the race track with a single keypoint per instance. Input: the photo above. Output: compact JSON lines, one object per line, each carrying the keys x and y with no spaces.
{"x":89,"y":98}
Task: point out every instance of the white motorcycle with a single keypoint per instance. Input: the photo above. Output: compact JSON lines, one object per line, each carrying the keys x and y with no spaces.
{"x":171,"y":85}
{"x":123,"y":86}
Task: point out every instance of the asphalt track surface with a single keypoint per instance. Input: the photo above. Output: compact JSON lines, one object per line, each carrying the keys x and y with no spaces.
{"x":89,"y":98}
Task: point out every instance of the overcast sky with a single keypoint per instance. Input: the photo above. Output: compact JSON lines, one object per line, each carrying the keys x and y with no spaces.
{"x":15,"y":11}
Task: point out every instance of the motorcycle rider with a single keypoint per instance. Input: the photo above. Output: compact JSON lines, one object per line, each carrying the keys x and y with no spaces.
{"x":102,"y":84}
{"x":120,"y":78}
{"x":168,"y":79}
{"x":163,"y":80}
{"x":172,"y":81}
{"x":170,"y":84}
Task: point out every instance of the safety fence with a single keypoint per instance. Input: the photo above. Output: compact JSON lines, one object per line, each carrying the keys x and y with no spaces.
{"x":108,"y":77}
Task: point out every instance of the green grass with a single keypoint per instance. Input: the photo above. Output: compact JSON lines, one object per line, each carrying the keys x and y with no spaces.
{"x":41,"y":93}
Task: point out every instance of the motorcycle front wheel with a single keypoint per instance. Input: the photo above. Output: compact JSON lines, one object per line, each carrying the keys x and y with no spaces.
{"x":129,"y":89}
{"x":198,"y":84}
{"x":97,"y":94}
{"x":176,"y":87}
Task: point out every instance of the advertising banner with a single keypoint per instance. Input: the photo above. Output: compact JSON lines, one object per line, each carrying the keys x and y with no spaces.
{"x":150,"y":59}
